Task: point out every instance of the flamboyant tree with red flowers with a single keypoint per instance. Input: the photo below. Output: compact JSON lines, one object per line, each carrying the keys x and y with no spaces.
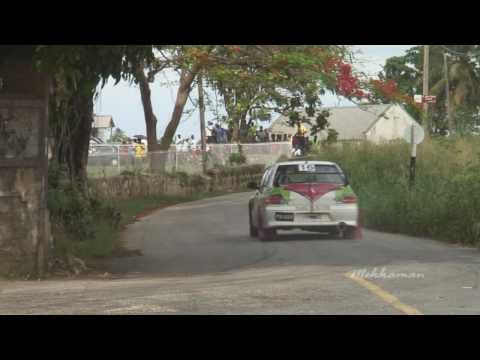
{"x":254,"y":80}
{"x":257,"y":80}
{"x":371,"y":90}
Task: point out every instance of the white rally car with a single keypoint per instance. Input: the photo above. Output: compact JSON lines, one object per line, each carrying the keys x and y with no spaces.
{"x":305,"y":195}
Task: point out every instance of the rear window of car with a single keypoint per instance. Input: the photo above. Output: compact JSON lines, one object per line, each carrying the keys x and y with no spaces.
{"x":313,"y":173}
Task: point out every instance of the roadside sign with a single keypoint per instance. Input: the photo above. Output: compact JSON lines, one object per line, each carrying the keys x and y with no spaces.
{"x":429,"y":99}
{"x":418,"y":134}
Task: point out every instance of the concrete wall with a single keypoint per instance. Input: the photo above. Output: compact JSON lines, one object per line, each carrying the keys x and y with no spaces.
{"x":218,"y":154}
{"x":20,"y":217}
{"x":138,"y":186}
{"x":23,"y":163}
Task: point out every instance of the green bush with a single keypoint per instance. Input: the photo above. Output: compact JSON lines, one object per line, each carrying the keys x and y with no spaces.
{"x":237,"y":159}
{"x":444,"y":202}
{"x":79,"y":222}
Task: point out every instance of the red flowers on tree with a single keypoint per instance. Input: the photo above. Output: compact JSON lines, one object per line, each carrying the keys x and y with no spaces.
{"x":350,"y":86}
{"x":389,"y":90}
{"x":347,"y":84}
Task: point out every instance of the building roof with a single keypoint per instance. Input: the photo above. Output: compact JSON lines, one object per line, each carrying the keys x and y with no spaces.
{"x":103,"y":122}
{"x":350,"y":122}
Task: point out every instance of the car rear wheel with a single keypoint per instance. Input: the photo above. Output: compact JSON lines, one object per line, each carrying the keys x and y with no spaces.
{"x":253,"y":229}
{"x":266,"y":234}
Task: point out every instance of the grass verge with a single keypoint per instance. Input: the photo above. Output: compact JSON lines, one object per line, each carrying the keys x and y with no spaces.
{"x":444,"y":204}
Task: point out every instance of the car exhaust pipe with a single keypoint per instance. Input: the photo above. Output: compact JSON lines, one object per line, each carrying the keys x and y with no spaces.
{"x":341,"y":227}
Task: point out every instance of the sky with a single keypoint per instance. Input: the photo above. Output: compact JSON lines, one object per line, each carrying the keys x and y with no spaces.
{"x":123,"y":101}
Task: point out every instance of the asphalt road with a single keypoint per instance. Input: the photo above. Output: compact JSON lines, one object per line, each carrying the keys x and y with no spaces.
{"x":198,"y":259}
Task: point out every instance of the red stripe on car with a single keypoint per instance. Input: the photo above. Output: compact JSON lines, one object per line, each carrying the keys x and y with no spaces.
{"x":311,"y":191}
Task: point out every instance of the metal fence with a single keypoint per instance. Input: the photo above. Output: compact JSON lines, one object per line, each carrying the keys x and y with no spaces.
{"x":111,"y":159}
{"x":107,"y":160}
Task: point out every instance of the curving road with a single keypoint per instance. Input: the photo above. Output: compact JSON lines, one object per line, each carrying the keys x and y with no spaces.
{"x":198,"y":259}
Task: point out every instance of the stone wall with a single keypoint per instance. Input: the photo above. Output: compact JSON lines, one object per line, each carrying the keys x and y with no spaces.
{"x":23,"y":164}
{"x":138,"y":186}
{"x":20,"y":219}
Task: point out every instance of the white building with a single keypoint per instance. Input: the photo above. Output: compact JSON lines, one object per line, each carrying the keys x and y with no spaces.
{"x":103,"y":127}
{"x":374,"y":123}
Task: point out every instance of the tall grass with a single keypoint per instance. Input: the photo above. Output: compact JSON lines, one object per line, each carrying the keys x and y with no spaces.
{"x":445,"y":201}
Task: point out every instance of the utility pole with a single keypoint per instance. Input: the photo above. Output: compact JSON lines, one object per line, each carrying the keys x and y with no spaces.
{"x":447,"y":93}
{"x":426,"y":67}
{"x":201,"y":104}
{"x":413,"y":157}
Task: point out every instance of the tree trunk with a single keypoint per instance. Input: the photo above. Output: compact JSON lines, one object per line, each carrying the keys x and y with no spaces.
{"x":80,"y":138}
{"x":236,"y":130}
{"x":71,"y":127}
{"x":230,"y":106}
{"x":243,"y":127}
{"x":150,"y":118}
{"x":186,"y":80}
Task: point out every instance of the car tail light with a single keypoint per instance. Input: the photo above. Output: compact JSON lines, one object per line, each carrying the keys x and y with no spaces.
{"x":350,"y":199}
{"x":274,"y":200}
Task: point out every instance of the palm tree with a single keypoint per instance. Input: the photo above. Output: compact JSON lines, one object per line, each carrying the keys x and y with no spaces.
{"x":463,"y":78}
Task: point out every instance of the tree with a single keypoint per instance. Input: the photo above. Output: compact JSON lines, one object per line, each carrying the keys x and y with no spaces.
{"x":464,"y":80}
{"x":118,"y":136}
{"x":253,"y":81}
{"x":143,"y":80}
{"x":257,"y":79}
{"x":187,"y":61}
{"x":76,"y":72}
{"x":464,"y":87}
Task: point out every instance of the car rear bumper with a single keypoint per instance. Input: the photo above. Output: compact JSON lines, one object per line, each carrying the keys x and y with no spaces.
{"x":282,"y":225}
{"x":337,"y":216}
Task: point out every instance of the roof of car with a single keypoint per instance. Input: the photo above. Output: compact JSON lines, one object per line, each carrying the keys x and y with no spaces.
{"x":305,"y":161}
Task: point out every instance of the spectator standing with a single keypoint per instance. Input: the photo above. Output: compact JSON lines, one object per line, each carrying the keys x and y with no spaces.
{"x":224,"y":135}
{"x":221,"y":134}
{"x":178,"y":140}
{"x":218,"y":134}
{"x":262,"y":135}
{"x":214,"y":135}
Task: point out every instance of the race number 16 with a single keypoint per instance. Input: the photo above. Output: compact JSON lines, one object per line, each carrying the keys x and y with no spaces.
{"x":306,"y":167}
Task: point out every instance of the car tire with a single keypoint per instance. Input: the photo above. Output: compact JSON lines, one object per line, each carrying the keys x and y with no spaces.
{"x":268,"y":234}
{"x":253,"y":229}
